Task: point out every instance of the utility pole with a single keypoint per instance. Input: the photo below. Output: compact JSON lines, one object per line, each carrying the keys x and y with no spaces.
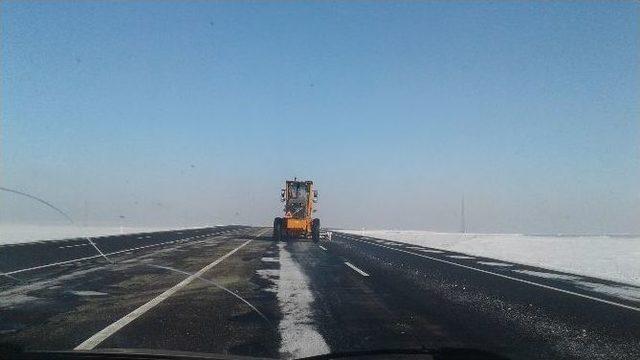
{"x":121,"y":224}
{"x":463,"y":223}
{"x":85,"y":218}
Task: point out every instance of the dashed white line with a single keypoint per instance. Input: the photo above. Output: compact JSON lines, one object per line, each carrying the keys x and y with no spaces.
{"x":87,"y":258}
{"x":52,"y":264}
{"x":494,"y":263}
{"x":431,"y":251}
{"x":508,"y":277}
{"x":103,"y":334}
{"x":70,"y":246}
{"x":460,"y":257}
{"x":322,"y":247}
{"x":356,"y":269}
{"x":98,"y":250}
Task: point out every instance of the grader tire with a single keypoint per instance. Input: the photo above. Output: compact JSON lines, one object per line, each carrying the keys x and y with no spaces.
{"x":315,"y":230}
{"x":277,"y":229}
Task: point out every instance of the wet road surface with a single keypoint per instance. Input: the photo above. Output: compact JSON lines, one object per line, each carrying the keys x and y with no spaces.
{"x":233,"y":290}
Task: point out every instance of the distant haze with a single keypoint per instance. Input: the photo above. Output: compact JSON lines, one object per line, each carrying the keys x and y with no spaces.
{"x":179,"y":114}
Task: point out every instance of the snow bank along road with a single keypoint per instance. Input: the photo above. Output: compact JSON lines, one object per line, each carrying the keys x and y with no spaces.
{"x":234,"y":290}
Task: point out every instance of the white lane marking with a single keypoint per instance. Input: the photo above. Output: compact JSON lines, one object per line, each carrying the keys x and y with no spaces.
{"x":322,"y":247}
{"x":509,"y":277}
{"x":356,"y":269}
{"x":460,"y":257}
{"x":432,"y":251}
{"x":264,"y":231}
{"x":70,"y":246}
{"x":88,"y":293}
{"x":98,"y":250}
{"x":494,"y":263}
{"x":103,"y":334}
{"x":86,"y":258}
{"x":52,"y":264}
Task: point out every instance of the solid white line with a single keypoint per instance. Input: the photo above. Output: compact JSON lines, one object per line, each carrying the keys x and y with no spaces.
{"x":264,"y":231}
{"x":322,"y":247}
{"x":103,"y":334}
{"x":356,"y":269}
{"x":509,"y":277}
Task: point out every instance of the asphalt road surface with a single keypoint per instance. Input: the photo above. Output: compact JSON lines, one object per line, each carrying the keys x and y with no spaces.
{"x":233,"y":290}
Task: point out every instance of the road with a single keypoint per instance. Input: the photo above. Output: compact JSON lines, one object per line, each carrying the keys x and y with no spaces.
{"x":233,"y":290}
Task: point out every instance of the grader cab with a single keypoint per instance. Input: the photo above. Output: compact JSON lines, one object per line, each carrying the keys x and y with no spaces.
{"x":298,"y":222}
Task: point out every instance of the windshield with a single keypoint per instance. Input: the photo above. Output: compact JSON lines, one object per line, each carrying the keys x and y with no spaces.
{"x":289,"y":179}
{"x":297,"y":199}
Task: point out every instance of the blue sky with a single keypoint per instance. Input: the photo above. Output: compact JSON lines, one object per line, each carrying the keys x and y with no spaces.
{"x":179,"y":113}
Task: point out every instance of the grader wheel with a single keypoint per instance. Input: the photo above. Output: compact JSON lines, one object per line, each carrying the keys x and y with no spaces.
{"x":315,"y":230}
{"x":277,"y":229}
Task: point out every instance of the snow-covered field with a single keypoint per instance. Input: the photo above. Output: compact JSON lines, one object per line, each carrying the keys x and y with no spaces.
{"x":614,"y":258}
{"x":13,"y":233}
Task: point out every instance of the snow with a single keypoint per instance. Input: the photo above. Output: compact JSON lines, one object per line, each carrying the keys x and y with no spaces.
{"x":300,"y":338}
{"x":615,"y":258}
{"x":547,"y":275}
{"x":624,"y":292}
{"x":18,"y":233}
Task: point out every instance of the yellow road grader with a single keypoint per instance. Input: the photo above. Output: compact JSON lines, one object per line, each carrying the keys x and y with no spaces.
{"x":298,"y":222}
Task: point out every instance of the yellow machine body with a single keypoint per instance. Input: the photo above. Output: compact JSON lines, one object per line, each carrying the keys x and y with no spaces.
{"x":299,"y":198}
